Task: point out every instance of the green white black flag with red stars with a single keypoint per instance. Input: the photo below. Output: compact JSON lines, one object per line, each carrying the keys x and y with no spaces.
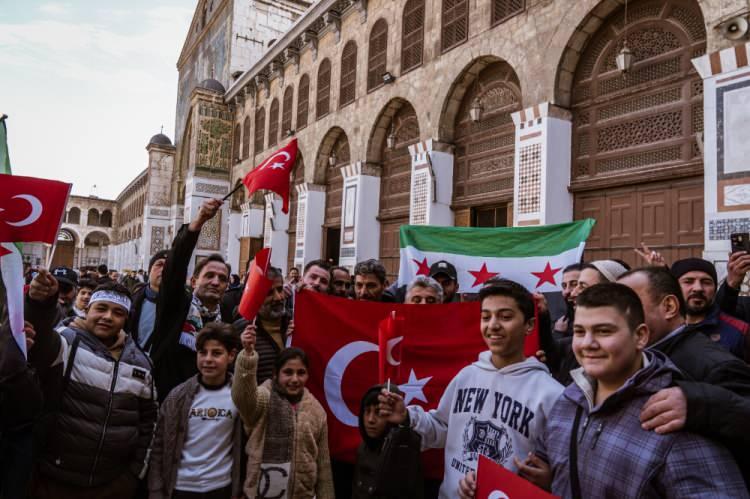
{"x":531,"y":256}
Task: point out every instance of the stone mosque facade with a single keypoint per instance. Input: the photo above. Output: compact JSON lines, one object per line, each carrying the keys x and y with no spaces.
{"x":450,"y":112}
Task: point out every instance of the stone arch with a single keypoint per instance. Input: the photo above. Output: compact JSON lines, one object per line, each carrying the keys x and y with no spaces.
{"x":93,"y":217}
{"x":335,"y":146}
{"x":588,"y":32}
{"x":95,"y":248}
{"x":69,"y":235}
{"x":106,"y":218}
{"x":74,"y":216}
{"x":334,"y":141}
{"x":377,"y":140}
{"x":457,"y":91}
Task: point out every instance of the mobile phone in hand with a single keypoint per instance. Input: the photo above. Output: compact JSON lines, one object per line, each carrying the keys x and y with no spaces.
{"x":740,"y":241}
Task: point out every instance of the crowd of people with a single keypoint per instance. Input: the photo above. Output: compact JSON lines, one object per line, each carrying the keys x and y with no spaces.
{"x":152,"y":385}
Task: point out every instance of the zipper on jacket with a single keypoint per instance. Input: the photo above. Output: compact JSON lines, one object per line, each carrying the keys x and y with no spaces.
{"x":290,"y":482}
{"x":597,"y":432}
{"x":106,"y":420}
{"x":583,"y":430}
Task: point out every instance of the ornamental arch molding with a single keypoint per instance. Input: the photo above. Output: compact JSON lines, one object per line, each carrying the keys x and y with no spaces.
{"x":334,"y":153}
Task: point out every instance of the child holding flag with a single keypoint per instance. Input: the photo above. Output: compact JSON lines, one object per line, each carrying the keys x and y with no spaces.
{"x":495,"y":407}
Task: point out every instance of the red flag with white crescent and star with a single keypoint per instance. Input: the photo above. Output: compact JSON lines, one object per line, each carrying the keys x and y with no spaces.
{"x":273,"y":173}
{"x":31,"y":209}
{"x":496,"y":482}
{"x":341,"y":339}
{"x":257,"y":285}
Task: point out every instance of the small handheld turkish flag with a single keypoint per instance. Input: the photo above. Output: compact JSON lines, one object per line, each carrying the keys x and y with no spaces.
{"x":390,"y":334}
{"x":257,"y":285}
{"x":273,"y":173}
{"x":31,"y":209}
{"x":495,"y":482}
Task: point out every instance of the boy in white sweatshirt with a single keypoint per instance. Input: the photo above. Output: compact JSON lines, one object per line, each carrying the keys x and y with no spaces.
{"x":496,"y":406}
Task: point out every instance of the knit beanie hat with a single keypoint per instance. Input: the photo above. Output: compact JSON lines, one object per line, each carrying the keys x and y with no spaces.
{"x":159,"y":255}
{"x":610,"y":269}
{"x":682,"y":267}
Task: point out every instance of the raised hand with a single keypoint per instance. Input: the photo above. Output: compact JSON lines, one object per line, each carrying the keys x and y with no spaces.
{"x":391,"y":406}
{"x":650,"y":256}
{"x":248,"y":339}
{"x":737,"y":267}
{"x":209,"y":208}
{"x":43,"y":287}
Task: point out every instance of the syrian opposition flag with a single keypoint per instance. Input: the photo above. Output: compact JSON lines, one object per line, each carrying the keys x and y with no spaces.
{"x":429,"y":344}
{"x":257,"y":285}
{"x":273,"y":173}
{"x":531,"y":256}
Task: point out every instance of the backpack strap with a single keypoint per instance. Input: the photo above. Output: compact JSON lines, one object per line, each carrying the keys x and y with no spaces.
{"x":575,"y":484}
{"x":69,"y":366}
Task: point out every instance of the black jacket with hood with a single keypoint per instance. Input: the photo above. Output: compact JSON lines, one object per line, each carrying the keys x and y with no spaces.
{"x":372,"y":472}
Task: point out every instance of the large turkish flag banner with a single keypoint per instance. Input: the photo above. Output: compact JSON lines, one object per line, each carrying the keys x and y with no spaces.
{"x":31,"y":209}
{"x":340,"y":337}
{"x":496,"y":482}
{"x":273,"y":173}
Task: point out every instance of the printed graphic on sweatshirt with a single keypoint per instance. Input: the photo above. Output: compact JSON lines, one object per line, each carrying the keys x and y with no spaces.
{"x":273,"y":480}
{"x":489,"y":435}
{"x":211,"y":413}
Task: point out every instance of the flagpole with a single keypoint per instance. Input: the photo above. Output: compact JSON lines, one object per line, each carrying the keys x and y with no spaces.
{"x":232,"y":192}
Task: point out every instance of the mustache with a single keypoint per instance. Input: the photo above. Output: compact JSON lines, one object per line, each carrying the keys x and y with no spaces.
{"x":697,"y":294}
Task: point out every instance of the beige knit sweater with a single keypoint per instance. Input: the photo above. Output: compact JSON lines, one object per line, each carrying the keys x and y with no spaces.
{"x":310,"y":474}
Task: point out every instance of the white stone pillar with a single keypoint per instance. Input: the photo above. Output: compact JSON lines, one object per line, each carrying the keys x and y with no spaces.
{"x":542,"y":166}
{"x":275,"y":234}
{"x":360,"y":229}
{"x":311,"y":210}
{"x":233,"y":235}
{"x":726,"y":147}
{"x":431,"y":183}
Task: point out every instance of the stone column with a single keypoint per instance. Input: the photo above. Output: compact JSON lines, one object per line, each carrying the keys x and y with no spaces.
{"x":311,"y":207}
{"x":275,"y":235}
{"x":360,"y":229}
{"x":431,"y":183}
{"x":542,"y":166}
{"x":726,"y":148}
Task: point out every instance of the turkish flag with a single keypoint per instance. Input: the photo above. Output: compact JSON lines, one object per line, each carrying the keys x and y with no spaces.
{"x":496,"y":482}
{"x":341,"y":340}
{"x":273,"y":173}
{"x":256,"y":286}
{"x":390,"y":334}
{"x":31,"y":209}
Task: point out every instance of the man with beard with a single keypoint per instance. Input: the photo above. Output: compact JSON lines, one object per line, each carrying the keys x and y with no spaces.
{"x":445,"y":274}
{"x":369,"y":282}
{"x":270,"y":326}
{"x":316,"y":276}
{"x":564,"y":325}
{"x":68,"y":286}
{"x":180,"y":314}
{"x":341,"y":282}
{"x":714,"y":397}
{"x":697,"y":278}
{"x":293,"y":276}
{"x":143,"y":316}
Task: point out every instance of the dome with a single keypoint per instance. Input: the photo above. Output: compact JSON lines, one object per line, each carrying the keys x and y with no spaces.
{"x":213,"y":85}
{"x":160,"y":139}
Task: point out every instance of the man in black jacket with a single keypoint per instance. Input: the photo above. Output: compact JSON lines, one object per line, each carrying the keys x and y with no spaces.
{"x":715,"y":400}
{"x":180,"y":314}
{"x":143,"y":316}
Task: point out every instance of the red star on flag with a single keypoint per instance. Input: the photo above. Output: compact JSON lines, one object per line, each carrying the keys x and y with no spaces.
{"x":4,"y":251}
{"x":423,"y":269}
{"x":482,"y":275}
{"x":547,"y":275}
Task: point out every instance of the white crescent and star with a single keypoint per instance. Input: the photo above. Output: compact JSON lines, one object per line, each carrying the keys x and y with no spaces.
{"x":389,"y":350}
{"x":275,"y":165}
{"x":334,"y":375}
{"x":498,"y":494}
{"x":36,"y":210}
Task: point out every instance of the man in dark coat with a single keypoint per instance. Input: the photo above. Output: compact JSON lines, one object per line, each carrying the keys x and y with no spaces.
{"x":143,"y":316}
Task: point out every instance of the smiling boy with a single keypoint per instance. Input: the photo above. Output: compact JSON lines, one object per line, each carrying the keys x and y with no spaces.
{"x":495,"y":407}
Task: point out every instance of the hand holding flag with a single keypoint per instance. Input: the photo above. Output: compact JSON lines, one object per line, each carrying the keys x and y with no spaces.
{"x":257,"y":285}
{"x":390,"y":335}
{"x":273,"y":173}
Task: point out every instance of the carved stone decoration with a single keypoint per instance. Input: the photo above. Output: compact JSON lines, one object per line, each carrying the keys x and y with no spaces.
{"x":160,"y":212}
{"x":291,"y":56}
{"x":157,"y":239}
{"x":214,"y":144}
{"x":210,"y":237}
{"x":310,"y":38}
{"x":210,"y":188}
{"x":361,"y":6}
{"x":261,"y":81}
{"x":333,"y":19}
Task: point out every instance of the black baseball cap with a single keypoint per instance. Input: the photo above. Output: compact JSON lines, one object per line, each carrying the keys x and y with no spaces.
{"x":443,"y":267}
{"x":65,"y":275}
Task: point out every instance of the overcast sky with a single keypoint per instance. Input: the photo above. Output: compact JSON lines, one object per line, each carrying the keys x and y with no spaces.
{"x":86,"y":83}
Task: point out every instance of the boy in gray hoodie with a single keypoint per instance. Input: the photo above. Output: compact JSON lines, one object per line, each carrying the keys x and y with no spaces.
{"x":495,"y":407}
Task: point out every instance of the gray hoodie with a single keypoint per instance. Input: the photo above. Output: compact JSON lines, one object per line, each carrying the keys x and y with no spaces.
{"x":498,"y":413}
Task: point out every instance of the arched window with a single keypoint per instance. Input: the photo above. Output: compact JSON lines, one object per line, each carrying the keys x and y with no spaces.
{"x":502,"y":10}
{"x":74,"y":216}
{"x":286,"y":113}
{"x":377,"y":55}
{"x":348,"y":91}
{"x":246,"y":138}
{"x":455,"y":23}
{"x":260,"y":129}
{"x":106,"y":218}
{"x":303,"y":101}
{"x":237,"y":153}
{"x":412,"y":37}
{"x":323,"y":103}
{"x":93,"y":218}
{"x":273,"y":124}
